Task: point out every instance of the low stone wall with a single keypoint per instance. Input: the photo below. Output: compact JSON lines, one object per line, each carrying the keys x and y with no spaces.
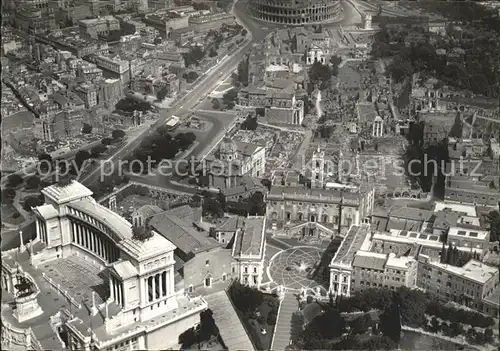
{"x":18,"y":336}
{"x":57,"y":287}
{"x":439,"y":336}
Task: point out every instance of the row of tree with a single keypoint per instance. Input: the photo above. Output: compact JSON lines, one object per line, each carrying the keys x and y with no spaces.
{"x":455,"y":329}
{"x":475,"y":319}
{"x":453,"y":256}
{"x":215,"y":205}
{"x":321,"y":332}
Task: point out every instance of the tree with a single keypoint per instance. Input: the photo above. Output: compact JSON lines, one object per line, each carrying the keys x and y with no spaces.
{"x":243,"y":32}
{"x":106,"y":141}
{"x":185,"y":140}
{"x":161,"y":94}
{"x":246,"y":299}
{"x":230,"y":105}
{"x":456,"y":329}
{"x":86,"y":129}
{"x":80,"y":157}
{"x":267,"y":183}
{"x":488,"y":335}
{"x":63,"y":181}
{"x":191,"y":76}
{"x":456,"y":129}
{"x":188,"y":338}
{"x":14,"y":180}
{"x":141,"y":233}
{"x":8,"y":195}
{"x":194,"y":56}
{"x":361,"y":324}
{"x":216,"y":104}
{"x":118,"y":134}
{"x":211,"y":206}
{"x":271,"y":318}
{"x":435,"y":325}
{"x":256,"y":204}
{"x":335,"y":61}
{"x":212,"y":53}
{"x":230,"y":96}
{"x":195,"y":201}
{"x":32,"y":201}
{"x":33,"y":182}
{"x":320,"y":75}
{"x":493,"y":218}
{"x":412,"y":304}
{"x":207,"y":327}
{"x":242,"y":76}
{"x":250,"y":123}
{"x":97,"y":150}
{"x":45,"y":162}
{"x":390,"y":323}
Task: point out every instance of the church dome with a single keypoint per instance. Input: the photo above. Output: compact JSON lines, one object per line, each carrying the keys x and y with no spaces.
{"x":227,"y":146}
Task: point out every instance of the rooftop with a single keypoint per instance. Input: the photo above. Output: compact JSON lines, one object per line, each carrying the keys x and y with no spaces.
{"x":371,"y":260}
{"x":476,"y":232}
{"x":250,"y":240}
{"x":473,"y":270}
{"x":62,"y":194}
{"x":182,"y":233}
{"x":351,"y":244}
{"x":469,"y":210}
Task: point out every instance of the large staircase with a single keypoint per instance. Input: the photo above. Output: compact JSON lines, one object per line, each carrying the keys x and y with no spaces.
{"x":282,"y":330}
{"x":231,"y":329}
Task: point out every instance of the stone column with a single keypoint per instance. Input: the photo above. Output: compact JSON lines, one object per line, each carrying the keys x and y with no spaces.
{"x":153,"y":287}
{"x":38,"y":234}
{"x":22,"y":248}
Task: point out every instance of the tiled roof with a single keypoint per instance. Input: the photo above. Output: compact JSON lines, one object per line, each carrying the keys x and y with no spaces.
{"x":147,"y":211}
{"x":246,"y":149}
{"x":411,"y":213}
{"x":249,"y":241}
{"x":229,"y":224}
{"x":351,"y":244}
{"x":369,"y":260}
{"x":181,"y":233}
{"x":183,"y":212}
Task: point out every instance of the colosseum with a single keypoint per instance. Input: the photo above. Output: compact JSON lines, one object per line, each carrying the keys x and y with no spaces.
{"x":295,"y":12}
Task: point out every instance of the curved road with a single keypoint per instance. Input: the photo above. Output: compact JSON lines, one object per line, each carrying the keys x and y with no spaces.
{"x":208,"y":83}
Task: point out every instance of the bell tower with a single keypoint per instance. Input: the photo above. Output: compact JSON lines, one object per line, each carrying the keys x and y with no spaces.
{"x":318,"y":169}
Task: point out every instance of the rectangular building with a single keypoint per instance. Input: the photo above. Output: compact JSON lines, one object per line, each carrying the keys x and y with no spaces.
{"x":471,"y":285}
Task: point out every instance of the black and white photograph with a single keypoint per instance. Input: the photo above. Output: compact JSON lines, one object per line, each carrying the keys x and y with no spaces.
{"x":250,"y":175}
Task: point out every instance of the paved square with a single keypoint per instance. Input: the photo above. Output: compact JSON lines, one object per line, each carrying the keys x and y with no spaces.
{"x":292,"y":267}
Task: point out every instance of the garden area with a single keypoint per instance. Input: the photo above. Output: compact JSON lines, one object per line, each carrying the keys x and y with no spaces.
{"x":205,"y":336}
{"x":258,"y":312}
{"x":160,"y":145}
{"x":373,"y":319}
{"x":418,"y":310}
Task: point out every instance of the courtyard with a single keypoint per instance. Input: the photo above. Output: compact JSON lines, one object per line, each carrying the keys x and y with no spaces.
{"x":294,"y":267}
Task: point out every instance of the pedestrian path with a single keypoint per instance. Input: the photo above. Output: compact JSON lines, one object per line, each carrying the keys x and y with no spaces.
{"x":283,"y":329}
{"x":230,"y":327}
